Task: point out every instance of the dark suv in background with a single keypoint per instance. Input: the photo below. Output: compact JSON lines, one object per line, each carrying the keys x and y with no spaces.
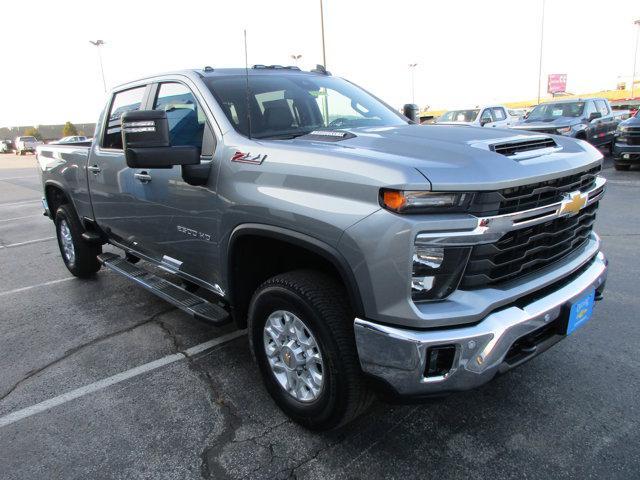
{"x":626,"y":148}
{"x":590,"y":119}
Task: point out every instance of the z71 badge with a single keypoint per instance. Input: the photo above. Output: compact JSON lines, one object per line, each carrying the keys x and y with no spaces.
{"x":241,"y":157}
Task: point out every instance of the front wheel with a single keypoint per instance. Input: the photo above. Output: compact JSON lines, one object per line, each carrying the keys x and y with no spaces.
{"x":80,"y":256}
{"x":301,"y":334}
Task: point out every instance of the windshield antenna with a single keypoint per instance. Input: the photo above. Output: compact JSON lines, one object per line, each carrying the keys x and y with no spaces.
{"x":246,"y":74}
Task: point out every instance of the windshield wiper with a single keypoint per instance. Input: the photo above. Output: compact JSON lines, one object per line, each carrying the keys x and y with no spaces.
{"x":284,"y":135}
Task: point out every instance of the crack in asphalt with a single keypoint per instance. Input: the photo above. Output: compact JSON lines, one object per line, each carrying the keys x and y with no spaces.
{"x":74,"y":350}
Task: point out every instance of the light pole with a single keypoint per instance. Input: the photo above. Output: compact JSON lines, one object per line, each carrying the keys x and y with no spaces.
{"x":635,"y":58}
{"x":412,"y":69}
{"x":541,"y":43}
{"x":295,"y":58}
{"x":98,"y":44}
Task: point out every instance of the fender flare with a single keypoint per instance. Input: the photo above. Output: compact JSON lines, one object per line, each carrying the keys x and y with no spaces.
{"x":326,"y":251}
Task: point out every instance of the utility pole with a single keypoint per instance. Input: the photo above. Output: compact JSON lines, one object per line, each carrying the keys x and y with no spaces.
{"x":635,"y":59}
{"x":412,"y":69}
{"x":98,"y":44}
{"x":541,"y":44}
{"x":324,"y":54}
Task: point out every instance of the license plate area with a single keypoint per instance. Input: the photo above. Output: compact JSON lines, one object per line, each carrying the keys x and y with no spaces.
{"x":580,"y":311}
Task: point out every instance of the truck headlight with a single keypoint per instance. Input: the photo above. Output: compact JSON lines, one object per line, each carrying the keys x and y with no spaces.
{"x":436,"y":271}
{"x":418,"y":201}
{"x":564,"y":130}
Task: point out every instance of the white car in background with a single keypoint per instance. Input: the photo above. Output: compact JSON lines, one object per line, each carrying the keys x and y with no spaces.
{"x":487,"y":116}
{"x":26,"y":144}
{"x":71,"y":139}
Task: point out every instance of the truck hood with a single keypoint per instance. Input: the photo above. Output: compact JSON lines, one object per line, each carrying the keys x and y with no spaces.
{"x":558,"y":122}
{"x":459,"y":158}
{"x":631,"y":122}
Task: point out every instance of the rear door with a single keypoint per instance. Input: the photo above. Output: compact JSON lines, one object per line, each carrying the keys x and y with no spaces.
{"x":608,"y":124}
{"x":113,"y":187}
{"x":501,"y":117}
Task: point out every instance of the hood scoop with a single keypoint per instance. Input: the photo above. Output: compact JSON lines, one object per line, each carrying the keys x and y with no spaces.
{"x":521,"y":147}
{"x":329,"y":135}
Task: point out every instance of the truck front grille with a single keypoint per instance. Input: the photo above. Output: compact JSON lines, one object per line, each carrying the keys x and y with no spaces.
{"x":633,"y":136}
{"x":523,"y":251}
{"x":526,"y":197}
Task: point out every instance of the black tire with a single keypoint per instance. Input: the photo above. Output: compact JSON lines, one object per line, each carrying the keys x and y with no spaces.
{"x":321,"y":303}
{"x":84,"y":263}
{"x":621,"y":166}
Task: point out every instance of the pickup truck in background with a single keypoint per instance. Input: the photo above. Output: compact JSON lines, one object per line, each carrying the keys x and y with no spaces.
{"x":626,"y":148}
{"x":362,"y":252}
{"x":496,"y":116}
{"x":26,"y":144}
{"x":590,"y":119}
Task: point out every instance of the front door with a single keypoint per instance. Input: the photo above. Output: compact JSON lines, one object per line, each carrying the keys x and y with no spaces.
{"x":179,"y":220}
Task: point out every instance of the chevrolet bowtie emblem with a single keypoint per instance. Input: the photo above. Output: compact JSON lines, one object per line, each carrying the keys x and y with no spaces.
{"x":573,"y":202}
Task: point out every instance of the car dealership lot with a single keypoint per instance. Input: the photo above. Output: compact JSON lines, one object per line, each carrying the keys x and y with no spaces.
{"x":121,"y":401}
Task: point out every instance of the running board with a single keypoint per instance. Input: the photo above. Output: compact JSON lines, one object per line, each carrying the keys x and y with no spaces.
{"x":192,"y":304}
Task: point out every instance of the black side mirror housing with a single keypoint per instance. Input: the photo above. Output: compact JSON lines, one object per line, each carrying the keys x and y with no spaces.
{"x":412,"y":112}
{"x":594,"y":116}
{"x":145,"y":140}
{"x":484,"y":121}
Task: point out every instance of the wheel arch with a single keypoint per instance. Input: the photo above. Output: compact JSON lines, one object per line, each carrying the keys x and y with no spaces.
{"x":296,"y":243}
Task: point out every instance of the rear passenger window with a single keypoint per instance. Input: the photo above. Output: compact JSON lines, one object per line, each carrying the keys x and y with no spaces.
{"x":602,"y":107}
{"x":186,"y":119}
{"x":125,"y":101}
{"x":499,"y":113}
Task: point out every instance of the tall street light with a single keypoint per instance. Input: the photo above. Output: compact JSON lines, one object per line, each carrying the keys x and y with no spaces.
{"x":635,"y":59}
{"x":541,"y":44}
{"x":98,"y":44}
{"x":295,"y":58}
{"x":412,"y":69}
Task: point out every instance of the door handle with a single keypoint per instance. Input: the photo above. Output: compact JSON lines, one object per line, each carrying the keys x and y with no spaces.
{"x":144,"y":177}
{"x":94,"y":168}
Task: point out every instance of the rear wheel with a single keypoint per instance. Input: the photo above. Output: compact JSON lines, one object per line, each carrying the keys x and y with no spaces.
{"x":78,"y":255}
{"x":301,"y":334}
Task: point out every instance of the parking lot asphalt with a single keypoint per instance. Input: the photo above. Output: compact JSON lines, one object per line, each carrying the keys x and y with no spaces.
{"x":100,"y":379}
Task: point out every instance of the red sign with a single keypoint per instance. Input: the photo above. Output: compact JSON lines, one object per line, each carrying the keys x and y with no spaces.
{"x":557,"y":83}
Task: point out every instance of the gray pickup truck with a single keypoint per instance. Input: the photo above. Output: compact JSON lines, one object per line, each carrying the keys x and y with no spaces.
{"x":590,"y":119}
{"x":362,"y":252}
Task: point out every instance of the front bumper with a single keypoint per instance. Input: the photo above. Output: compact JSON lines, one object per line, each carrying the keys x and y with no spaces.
{"x":397,"y":356}
{"x":626,"y":153}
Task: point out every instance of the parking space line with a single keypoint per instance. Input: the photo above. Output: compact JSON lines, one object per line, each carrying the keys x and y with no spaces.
{"x":20,"y":218}
{"x":18,"y":204}
{"x":31,"y":287}
{"x":119,"y":377}
{"x":28,"y":242}
{"x":34,"y":177}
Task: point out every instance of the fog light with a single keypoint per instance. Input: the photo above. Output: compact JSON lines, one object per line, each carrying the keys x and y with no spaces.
{"x":436,"y":271}
{"x":439,"y":360}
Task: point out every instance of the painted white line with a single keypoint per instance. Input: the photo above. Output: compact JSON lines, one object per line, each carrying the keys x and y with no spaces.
{"x":18,"y":204}
{"x":29,"y":242}
{"x":20,"y":218}
{"x":120,"y":377}
{"x":623,"y":182}
{"x":35,"y":177}
{"x":31,"y":287}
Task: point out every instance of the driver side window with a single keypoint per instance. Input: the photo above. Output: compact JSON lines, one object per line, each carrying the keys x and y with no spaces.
{"x":187,"y":122}
{"x":486,"y":115}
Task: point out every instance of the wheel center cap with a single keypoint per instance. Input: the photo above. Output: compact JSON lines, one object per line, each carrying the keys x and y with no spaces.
{"x":288,"y":358}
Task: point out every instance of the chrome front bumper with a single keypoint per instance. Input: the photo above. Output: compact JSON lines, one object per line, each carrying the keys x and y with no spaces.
{"x":398,"y":356}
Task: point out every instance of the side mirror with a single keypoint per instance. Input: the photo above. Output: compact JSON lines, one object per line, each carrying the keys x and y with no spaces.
{"x":484,"y":121}
{"x":594,"y":116}
{"x":412,"y":112}
{"x":145,"y":140}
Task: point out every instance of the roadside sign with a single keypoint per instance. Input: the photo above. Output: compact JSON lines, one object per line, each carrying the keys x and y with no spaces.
{"x":557,"y":83}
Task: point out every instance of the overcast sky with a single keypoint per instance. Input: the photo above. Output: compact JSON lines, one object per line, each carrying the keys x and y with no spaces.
{"x":468,"y":52}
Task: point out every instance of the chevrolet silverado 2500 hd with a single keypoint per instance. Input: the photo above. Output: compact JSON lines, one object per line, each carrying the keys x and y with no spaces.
{"x":360,"y":251}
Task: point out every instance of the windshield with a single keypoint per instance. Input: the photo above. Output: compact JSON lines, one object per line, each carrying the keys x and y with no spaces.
{"x":285,"y":106}
{"x":459,"y":116}
{"x":27,"y":139}
{"x":551,"y":111}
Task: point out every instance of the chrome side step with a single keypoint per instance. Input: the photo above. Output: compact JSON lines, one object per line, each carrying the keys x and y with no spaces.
{"x":192,"y":304}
